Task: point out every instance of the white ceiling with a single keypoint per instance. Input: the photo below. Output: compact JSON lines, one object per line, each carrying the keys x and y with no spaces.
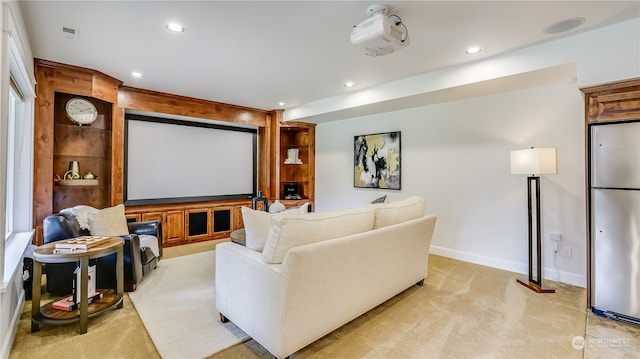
{"x":258,"y":53}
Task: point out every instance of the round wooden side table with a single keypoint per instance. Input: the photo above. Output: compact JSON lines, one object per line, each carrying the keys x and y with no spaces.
{"x":47,"y":314}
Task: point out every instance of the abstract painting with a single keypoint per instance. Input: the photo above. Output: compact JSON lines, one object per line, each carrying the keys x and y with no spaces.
{"x":376,"y":160}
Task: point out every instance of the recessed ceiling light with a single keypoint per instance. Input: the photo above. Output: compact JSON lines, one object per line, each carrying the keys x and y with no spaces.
{"x":174,"y":27}
{"x":473,"y":50}
{"x":136,"y":74}
{"x":281,"y":104}
{"x":349,"y":84}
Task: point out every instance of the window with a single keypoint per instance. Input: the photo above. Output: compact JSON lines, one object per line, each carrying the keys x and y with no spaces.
{"x":16,"y":151}
{"x":19,"y":164}
{"x":14,"y":111}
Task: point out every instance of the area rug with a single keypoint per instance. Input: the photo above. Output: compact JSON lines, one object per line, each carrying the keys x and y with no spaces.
{"x":176,"y":303}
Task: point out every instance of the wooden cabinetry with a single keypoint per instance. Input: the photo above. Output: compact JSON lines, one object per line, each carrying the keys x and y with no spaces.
{"x":58,"y":141}
{"x":613,"y":102}
{"x":294,"y":167}
{"x":193,"y":222}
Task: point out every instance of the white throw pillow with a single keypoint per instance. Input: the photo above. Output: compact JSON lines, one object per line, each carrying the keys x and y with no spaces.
{"x":257,"y":224}
{"x":297,"y":230}
{"x":110,"y":222}
{"x":304,"y":208}
{"x":81,"y":212}
{"x":398,"y":211}
{"x":256,"y":227}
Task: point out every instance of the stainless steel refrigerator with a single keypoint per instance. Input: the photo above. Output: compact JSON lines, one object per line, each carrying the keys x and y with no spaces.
{"x":615,"y":220}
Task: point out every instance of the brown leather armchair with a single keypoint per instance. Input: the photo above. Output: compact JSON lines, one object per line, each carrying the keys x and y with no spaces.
{"x":137,"y":261}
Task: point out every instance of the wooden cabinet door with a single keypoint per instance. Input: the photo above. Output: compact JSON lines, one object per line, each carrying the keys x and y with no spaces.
{"x":153,"y":216}
{"x":133,"y":217}
{"x":222,"y":220}
{"x":174,"y":226}
{"x":198,"y":223}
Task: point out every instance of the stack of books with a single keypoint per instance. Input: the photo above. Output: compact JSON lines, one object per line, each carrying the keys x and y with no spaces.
{"x":69,"y":305}
{"x":72,"y":302}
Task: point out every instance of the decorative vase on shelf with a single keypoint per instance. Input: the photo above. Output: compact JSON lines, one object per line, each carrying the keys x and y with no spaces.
{"x":73,"y":172}
{"x":292,"y":157}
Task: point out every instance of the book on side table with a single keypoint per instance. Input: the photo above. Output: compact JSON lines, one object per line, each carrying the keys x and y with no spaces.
{"x":72,"y":302}
{"x":69,"y":305}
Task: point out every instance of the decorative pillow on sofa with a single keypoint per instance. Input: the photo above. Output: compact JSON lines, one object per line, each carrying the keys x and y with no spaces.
{"x":398,"y":211}
{"x":289,"y":232}
{"x":256,"y":227}
{"x":81,"y":213}
{"x":383,"y":199}
{"x":257,"y":224}
{"x":108,"y":222}
{"x":302,"y":209}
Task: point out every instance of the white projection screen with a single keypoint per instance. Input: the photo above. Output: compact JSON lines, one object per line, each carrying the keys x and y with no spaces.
{"x":174,"y":161}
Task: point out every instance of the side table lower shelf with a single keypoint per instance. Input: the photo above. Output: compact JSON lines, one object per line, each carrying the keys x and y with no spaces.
{"x":50,"y":315}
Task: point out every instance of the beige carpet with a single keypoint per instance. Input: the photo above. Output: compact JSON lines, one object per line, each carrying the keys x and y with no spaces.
{"x":462,"y":311}
{"x":176,"y":303}
{"x":114,"y":334}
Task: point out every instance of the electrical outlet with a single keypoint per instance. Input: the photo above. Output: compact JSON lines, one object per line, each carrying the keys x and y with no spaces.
{"x":566,"y":252}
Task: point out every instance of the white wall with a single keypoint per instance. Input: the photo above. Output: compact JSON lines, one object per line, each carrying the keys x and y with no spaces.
{"x":16,"y":59}
{"x":456,"y":155}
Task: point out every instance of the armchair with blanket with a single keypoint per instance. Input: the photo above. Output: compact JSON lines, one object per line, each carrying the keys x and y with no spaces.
{"x":142,"y":245}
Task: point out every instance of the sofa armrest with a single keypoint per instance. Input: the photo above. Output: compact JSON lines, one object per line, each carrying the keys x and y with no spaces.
{"x":250,"y":292}
{"x":132,"y":246}
{"x":152,"y":228}
{"x":132,"y":265}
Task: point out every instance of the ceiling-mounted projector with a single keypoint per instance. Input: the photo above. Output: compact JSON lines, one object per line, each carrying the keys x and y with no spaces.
{"x":380,"y":34}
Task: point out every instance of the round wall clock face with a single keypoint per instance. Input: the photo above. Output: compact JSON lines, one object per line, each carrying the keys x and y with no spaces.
{"x":81,"y":111}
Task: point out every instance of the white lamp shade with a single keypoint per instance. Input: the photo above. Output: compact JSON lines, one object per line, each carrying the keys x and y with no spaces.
{"x":534,"y":161}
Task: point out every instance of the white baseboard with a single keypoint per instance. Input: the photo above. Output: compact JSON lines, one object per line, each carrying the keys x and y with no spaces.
{"x":547,"y":273}
{"x":13,"y":327}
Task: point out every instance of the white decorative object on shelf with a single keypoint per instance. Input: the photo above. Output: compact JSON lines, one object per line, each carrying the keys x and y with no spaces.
{"x":292,"y":157}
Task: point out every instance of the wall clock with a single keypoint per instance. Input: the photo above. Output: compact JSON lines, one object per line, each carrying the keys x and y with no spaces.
{"x":81,"y":111}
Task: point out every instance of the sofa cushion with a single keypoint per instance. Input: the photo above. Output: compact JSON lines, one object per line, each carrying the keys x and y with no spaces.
{"x":108,"y":222}
{"x":406,"y":209}
{"x":257,"y":224}
{"x":288,"y":232}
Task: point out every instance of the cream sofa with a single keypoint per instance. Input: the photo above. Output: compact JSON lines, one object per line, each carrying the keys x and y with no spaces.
{"x":319,"y":271}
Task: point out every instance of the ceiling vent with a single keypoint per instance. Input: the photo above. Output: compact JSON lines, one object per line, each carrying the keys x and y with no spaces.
{"x":381,"y":33}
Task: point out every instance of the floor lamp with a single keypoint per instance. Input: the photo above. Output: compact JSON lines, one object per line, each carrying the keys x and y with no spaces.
{"x":534,"y":162}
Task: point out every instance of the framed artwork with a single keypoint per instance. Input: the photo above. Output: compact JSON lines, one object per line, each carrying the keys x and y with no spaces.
{"x":376,"y":160}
